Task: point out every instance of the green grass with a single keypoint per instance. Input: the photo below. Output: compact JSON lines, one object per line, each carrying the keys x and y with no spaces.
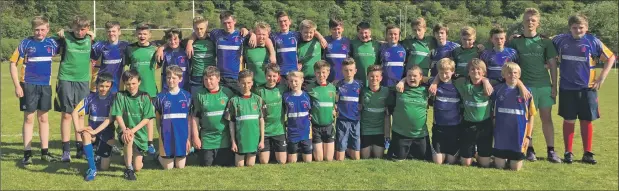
{"x":366,"y":174}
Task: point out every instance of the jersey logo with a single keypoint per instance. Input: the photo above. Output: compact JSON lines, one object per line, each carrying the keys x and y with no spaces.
{"x":330,"y":46}
{"x":305,"y":104}
{"x":31,"y":50}
{"x":49,"y":50}
{"x":236,"y":39}
{"x":222,"y":101}
{"x":183,"y":104}
{"x":331,"y":94}
{"x":583,"y":49}
{"x":293,"y":40}
{"x":290,"y":105}
{"x":254,"y":106}
{"x":501,"y":97}
{"x":386,"y":54}
{"x":167,"y":104}
{"x":279,"y":41}
{"x":344,"y":47}
{"x":401,"y":54}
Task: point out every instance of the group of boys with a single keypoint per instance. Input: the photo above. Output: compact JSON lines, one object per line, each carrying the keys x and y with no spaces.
{"x":234,"y":94}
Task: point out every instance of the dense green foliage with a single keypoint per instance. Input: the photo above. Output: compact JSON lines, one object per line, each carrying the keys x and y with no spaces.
{"x":481,"y":14}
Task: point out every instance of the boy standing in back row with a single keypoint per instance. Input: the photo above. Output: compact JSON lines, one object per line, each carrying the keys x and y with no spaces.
{"x":337,"y":49}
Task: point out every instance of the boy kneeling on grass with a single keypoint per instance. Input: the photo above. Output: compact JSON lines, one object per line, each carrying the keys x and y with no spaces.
{"x":133,"y":107}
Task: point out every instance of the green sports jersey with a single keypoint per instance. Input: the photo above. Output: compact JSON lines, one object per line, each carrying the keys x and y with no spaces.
{"x":246,"y":112}
{"x":133,"y":110}
{"x":374,"y":109}
{"x":75,"y":62}
{"x":533,"y":52}
{"x":323,"y":102}
{"x":410,"y":113}
{"x":462,"y":56}
{"x":255,"y":60}
{"x":418,"y":52}
{"x":476,"y":104}
{"x":209,"y":107}
{"x":143,"y":60}
{"x":274,"y":113}
{"x":309,"y":53}
{"x":203,"y":56}
{"x":365,"y":54}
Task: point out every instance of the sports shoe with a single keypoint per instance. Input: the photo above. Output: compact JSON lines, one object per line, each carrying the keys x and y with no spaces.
{"x":553,"y":158}
{"x":66,"y":156}
{"x":588,"y":158}
{"x":568,"y":157}
{"x":151,"y":149}
{"x":90,"y":175}
{"x":27,"y":160}
{"x":531,"y":156}
{"x":79,"y":154}
{"x":130,"y":174}
{"x":48,"y":158}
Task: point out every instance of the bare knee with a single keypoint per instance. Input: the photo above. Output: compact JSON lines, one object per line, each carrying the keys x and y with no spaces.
{"x":43,"y":118}
{"x":29,"y":118}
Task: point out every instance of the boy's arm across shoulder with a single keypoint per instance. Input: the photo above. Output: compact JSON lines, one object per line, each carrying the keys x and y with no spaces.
{"x":488,"y":89}
{"x":321,"y":39}
{"x":524,"y":91}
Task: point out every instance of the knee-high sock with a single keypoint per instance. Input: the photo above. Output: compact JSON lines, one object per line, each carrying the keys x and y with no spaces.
{"x":586,"y":131}
{"x":568,"y":135}
{"x":90,"y":156}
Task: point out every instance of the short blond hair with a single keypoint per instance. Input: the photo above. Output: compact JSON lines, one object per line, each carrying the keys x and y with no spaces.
{"x":578,"y":19}
{"x":174,"y":70}
{"x":199,"y":20}
{"x":38,"y":21}
{"x":531,"y":12}
{"x":446,"y":64}
{"x":509,"y":67}
{"x":307,"y":24}
{"x":468,"y":31}
{"x":298,"y":74}
{"x":262,"y":25}
{"x":476,"y":63}
{"x":80,"y":22}
{"x":420,"y":21}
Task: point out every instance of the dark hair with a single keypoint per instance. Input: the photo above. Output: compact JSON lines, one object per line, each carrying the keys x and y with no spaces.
{"x":245,"y":74}
{"x":375,"y":68}
{"x":390,"y":26}
{"x":363,"y":25}
{"x":335,"y":23}
{"x":142,"y":27}
{"x":171,"y":32}
{"x":104,"y":77}
{"x":281,"y":14}
{"x":496,"y":30}
{"x":211,"y":71}
{"x":225,"y":14}
{"x":131,"y":74}
{"x":321,"y":64}
{"x":348,"y":61}
{"x":112,"y":24}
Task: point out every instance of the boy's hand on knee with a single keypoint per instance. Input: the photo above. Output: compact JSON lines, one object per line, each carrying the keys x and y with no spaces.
{"x":261,"y":145}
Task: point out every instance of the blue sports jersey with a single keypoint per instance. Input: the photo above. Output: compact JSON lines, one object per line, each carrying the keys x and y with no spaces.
{"x":286,"y":50}
{"x":336,"y":52}
{"x":37,"y":56}
{"x":578,"y":59}
{"x":297,"y":110}
{"x":174,"y":126}
{"x":447,"y":105}
{"x":112,"y":62}
{"x":495,"y":60}
{"x":97,"y":107}
{"x":175,"y":57}
{"x":392,"y":57}
{"x":229,"y":52}
{"x":439,"y":53}
{"x":348,"y":99}
{"x":511,"y":113}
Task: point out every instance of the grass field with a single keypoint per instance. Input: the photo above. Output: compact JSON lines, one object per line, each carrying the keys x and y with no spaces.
{"x":366,"y":174}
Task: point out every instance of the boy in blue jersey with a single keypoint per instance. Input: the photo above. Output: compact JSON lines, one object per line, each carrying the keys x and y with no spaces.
{"x":100,"y":128}
{"x":286,"y":42}
{"x":111,"y":53}
{"x":443,"y":47}
{"x":297,"y":106}
{"x":174,"y":54}
{"x":172,"y":109}
{"x":496,"y":57}
{"x":578,"y":86}
{"x":35,"y":92}
{"x":348,"y":132}
{"x":447,"y":115}
{"x":392,"y":57}
{"x":512,"y":114}
{"x":337,"y":49}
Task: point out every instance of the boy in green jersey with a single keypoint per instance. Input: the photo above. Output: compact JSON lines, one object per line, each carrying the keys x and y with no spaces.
{"x":375,"y":117}
{"x":245,"y":113}
{"x":364,"y":50}
{"x":418,"y":47}
{"x":255,"y":59}
{"x":322,"y":95}
{"x":140,"y":56}
{"x":203,"y":53}
{"x":132,"y":110}
{"x":210,"y":134}
{"x":274,"y":132}
{"x":309,"y":51}
{"x":466,"y":52}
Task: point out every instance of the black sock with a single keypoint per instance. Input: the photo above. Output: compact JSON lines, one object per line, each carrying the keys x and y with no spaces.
{"x":44,"y":151}
{"x":550,"y":149}
{"x":530,"y":149}
{"x":27,"y":153}
{"x":79,"y":146}
{"x":150,"y":143}
{"x":65,"y":147}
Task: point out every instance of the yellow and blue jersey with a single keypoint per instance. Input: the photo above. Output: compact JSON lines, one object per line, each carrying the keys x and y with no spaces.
{"x":37,"y":60}
{"x":97,"y":107}
{"x":512,"y":114}
{"x":174,"y":125}
{"x":298,"y":112}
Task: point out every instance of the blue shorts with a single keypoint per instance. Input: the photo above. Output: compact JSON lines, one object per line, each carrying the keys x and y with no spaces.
{"x":347,"y":135}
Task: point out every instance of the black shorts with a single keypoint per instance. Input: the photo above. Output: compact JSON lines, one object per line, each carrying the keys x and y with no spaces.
{"x":103,"y":149}
{"x":216,"y":157}
{"x":445,"y":139}
{"x":372,"y":140}
{"x":410,"y":148}
{"x":304,"y":147}
{"x":232,"y":84}
{"x":135,"y":147}
{"x":36,"y":97}
{"x":69,"y":95}
{"x":275,"y":143}
{"x":323,"y":134}
{"x":476,"y":133}
{"x":507,"y":154}
{"x":579,"y":104}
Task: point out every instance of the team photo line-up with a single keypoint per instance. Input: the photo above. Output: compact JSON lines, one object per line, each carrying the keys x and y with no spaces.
{"x":230,"y":96}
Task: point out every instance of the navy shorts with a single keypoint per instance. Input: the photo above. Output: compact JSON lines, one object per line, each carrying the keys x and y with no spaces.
{"x":303,"y":147}
{"x":322,"y":134}
{"x":508,"y":154}
{"x":579,"y":104}
{"x":103,"y":149}
{"x":348,"y":135}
